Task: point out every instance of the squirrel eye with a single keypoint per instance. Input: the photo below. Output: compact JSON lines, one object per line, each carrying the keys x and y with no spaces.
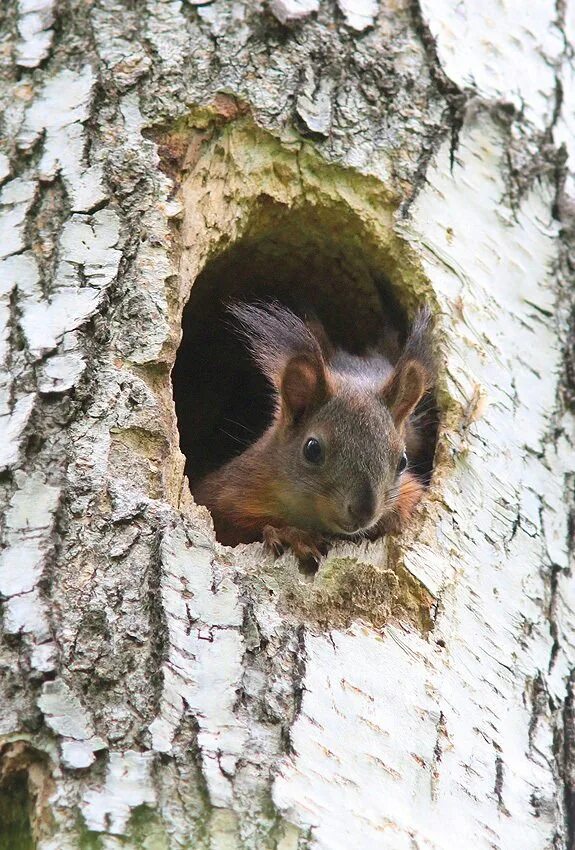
{"x":402,"y":465}
{"x":313,"y":451}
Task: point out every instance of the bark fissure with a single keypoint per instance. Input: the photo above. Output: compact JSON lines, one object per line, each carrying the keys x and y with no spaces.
{"x":567,"y":762}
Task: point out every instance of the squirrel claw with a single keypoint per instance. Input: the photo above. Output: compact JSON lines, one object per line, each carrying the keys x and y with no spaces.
{"x":272,"y":541}
{"x":303,"y":544}
{"x":391,"y":524}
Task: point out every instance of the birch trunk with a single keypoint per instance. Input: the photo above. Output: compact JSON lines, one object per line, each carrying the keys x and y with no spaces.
{"x":156,"y":689}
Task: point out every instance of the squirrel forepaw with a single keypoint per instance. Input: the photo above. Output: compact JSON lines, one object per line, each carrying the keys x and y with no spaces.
{"x":304,"y":544}
{"x":395,"y":520}
{"x":391,"y":523}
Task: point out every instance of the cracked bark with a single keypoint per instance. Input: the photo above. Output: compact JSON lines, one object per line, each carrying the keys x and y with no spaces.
{"x":157,"y":690}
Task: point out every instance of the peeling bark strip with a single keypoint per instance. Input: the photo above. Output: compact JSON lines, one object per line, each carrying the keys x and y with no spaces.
{"x":204,"y":666}
{"x":28,"y":538}
{"x":156,"y":689}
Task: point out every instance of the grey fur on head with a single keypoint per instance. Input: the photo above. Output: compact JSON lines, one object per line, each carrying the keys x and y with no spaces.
{"x":274,"y":334}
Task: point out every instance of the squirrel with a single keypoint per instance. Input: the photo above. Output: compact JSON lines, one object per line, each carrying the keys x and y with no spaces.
{"x":334,"y":461}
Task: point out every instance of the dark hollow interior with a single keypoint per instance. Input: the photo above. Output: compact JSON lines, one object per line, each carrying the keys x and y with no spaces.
{"x":15,"y":827}
{"x":315,"y":261}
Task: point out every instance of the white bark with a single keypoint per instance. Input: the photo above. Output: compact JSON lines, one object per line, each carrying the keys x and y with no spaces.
{"x":156,"y":689}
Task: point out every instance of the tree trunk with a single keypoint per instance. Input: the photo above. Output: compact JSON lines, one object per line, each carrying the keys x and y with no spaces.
{"x":158,"y":690}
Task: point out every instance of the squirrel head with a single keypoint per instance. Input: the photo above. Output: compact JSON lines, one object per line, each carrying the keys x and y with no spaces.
{"x":336,"y":449}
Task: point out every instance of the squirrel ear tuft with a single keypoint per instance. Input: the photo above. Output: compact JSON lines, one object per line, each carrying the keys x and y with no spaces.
{"x":404,"y":390}
{"x":303,"y":385}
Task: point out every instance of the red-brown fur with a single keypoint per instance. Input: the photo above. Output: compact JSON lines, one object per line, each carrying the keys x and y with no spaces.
{"x":255,"y":495}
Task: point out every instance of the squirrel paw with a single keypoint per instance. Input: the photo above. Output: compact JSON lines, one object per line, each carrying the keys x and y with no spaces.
{"x":304,"y":544}
{"x":391,"y":523}
{"x":410,"y":493}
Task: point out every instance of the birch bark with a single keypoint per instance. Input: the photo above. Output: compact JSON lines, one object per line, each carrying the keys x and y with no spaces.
{"x":156,"y":689}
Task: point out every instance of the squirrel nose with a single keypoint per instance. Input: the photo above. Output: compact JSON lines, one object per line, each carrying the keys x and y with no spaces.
{"x":361,"y":506}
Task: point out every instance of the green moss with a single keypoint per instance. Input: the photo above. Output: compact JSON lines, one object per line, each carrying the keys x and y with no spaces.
{"x":146,"y":830}
{"x":413,"y":601}
{"x":90,"y":841}
{"x":346,"y":589}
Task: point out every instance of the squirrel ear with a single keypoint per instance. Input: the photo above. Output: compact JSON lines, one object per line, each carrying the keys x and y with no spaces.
{"x":303,"y":384}
{"x":319,"y":332}
{"x":404,"y":390}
